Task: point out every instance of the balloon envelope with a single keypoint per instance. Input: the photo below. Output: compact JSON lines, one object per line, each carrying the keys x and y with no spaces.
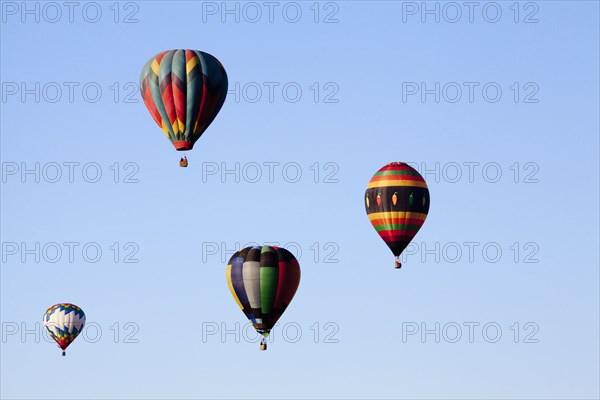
{"x":64,"y":322}
{"x":397,"y":203}
{"x":263,"y":281}
{"x":183,"y":91}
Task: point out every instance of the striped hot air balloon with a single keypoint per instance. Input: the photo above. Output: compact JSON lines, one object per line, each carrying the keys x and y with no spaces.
{"x":263,"y":281}
{"x":64,"y":322}
{"x":184,"y":91}
{"x":397,"y":203}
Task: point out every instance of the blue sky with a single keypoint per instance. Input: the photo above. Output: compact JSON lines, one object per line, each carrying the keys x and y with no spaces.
{"x":510,"y":243}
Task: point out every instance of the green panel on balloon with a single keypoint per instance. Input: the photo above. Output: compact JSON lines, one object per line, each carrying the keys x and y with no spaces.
{"x":268,"y":288}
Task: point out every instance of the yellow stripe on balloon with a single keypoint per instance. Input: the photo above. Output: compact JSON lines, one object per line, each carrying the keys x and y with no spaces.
{"x":155,"y":66}
{"x":190,"y":65}
{"x":181,"y":125}
{"x":165,"y":129}
{"x":175,"y":127}
{"x":397,"y":214}
{"x":230,"y":284}
{"x":377,"y":184}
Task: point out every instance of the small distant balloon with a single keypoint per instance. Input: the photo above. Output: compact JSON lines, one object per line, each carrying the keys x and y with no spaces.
{"x":397,"y":203}
{"x":263,"y":281}
{"x":183,"y":91}
{"x":64,"y":322}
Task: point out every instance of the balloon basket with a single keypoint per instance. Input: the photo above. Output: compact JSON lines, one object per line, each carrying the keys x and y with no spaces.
{"x":64,"y":353}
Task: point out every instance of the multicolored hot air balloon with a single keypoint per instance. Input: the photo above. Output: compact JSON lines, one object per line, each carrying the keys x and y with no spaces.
{"x":397,"y":203}
{"x":184,"y":91}
{"x":263,"y":281}
{"x":64,"y":322}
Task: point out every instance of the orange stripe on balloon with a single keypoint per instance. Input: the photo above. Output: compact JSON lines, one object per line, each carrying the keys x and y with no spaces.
{"x":396,"y":214}
{"x":396,"y":182}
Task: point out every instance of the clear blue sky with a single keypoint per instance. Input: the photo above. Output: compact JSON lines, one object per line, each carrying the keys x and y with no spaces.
{"x":371,"y":57}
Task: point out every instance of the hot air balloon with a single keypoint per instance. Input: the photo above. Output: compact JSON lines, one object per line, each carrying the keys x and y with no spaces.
{"x":397,"y":203}
{"x":64,"y":321}
{"x":184,"y":91}
{"x":263,"y":281}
